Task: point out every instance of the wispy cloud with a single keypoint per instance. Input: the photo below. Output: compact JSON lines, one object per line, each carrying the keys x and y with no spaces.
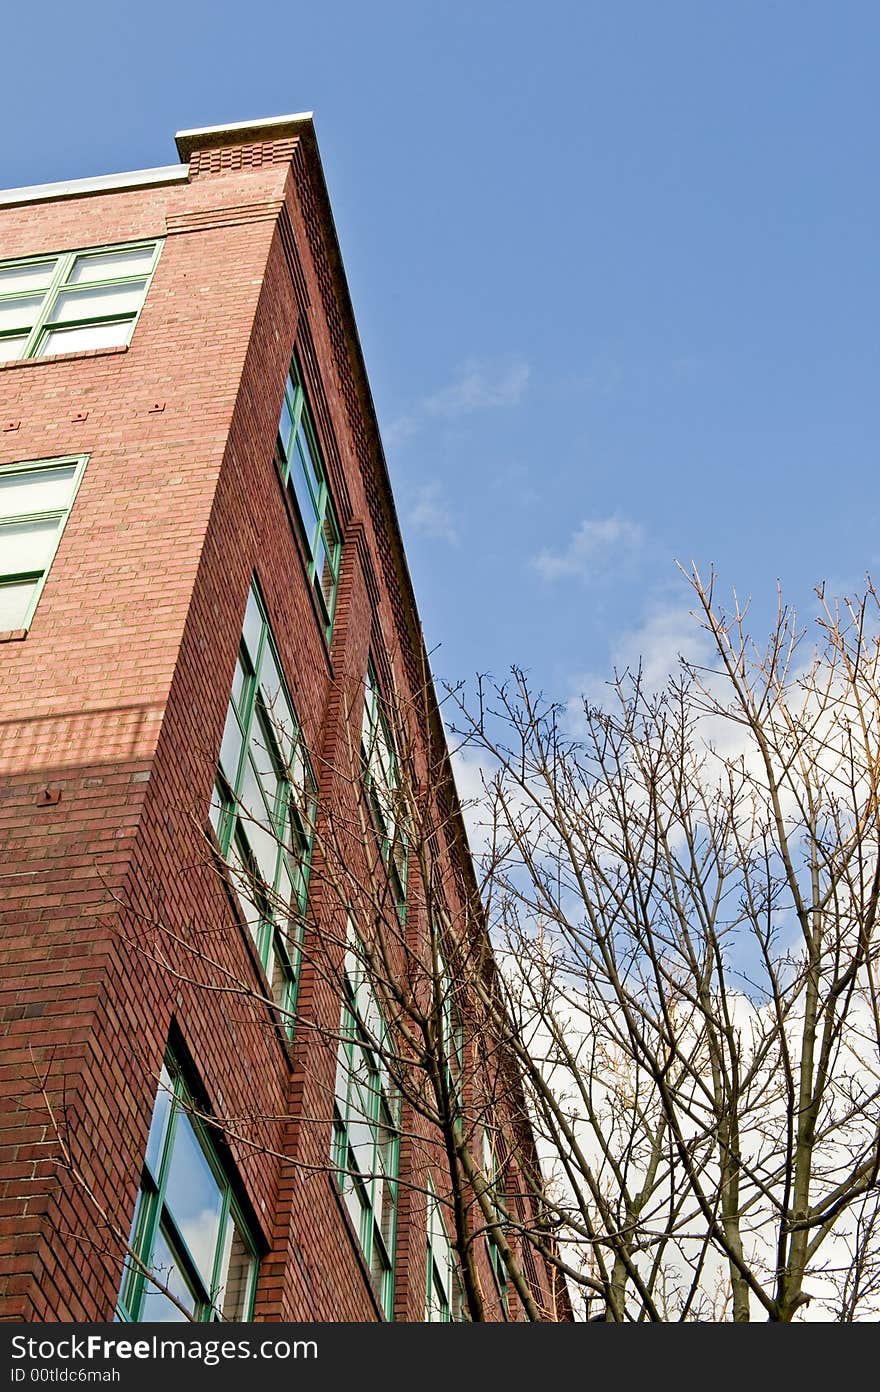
{"x":479,"y":385}
{"x":668,"y":632}
{"x":597,"y":541}
{"x":398,"y":431}
{"x":472,"y":775}
{"x":432,"y":516}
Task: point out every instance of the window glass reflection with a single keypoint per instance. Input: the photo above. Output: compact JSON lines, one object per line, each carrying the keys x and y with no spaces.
{"x":194,"y":1197}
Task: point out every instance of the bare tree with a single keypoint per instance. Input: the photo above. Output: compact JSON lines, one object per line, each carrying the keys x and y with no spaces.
{"x":436,"y":984}
{"x":400,"y":938}
{"x":683,"y":890}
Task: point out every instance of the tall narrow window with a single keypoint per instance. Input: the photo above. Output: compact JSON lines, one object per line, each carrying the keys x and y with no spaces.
{"x":74,"y":300}
{"x":35,"y":502}
{"x":381,"y":770}
{"x":451,"y":1031}
{"x":264,"y":805}
{"x":193,"y":1255}
{"x":366,"y":1142}
{"x":443,"y":1299}
{"x":302,"y":469}
{"x":499,"y":1271}
{"x":494,"y":1178}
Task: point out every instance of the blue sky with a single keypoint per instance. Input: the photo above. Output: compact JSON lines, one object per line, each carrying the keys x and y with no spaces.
{"x":614,"y":267}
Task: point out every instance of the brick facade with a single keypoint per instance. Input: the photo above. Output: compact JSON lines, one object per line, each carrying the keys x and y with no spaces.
{"x":117,"y":921}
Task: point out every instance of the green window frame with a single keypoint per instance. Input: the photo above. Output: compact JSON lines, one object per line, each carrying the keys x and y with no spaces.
{"x":382,"y":781}
{"x":36,"y":497}
{"x":452,"y":1030}
{"x":366,"y":1128}
{"x":499,"y":1271}
{"x":74,"y":301}
{"x":299,"y":458}
{"x":264,"y":806}
{"x":493,"y":1175}
{"x":188,"y":1228}
{"x":443,"y":1294}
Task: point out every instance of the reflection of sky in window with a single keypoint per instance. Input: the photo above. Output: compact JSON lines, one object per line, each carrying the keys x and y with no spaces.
{"x":253,"y":627}
{"x":237,"y":1269}
{"x":193,"y":1196}
{"x":305,"y":502}
{"x":305,"y":449}
{"x":156,"y":1305}
{"x":285,"y":425}
{"x":156,"y":1139}
{"x":264,"y":752}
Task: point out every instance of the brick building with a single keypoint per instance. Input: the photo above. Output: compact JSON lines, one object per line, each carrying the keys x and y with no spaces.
{"x":224,"y":784}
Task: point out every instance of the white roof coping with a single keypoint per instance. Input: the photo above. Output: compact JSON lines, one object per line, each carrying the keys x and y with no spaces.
{"x":246,"y":125}
{"x":188,"y":140}
{"x":72,"y":188}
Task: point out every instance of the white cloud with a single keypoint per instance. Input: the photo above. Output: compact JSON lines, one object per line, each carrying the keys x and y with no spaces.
{"x":480,"y":385}
{"x":598,"y":541}
{"x":472,"y":773}
{"x":666,"y":634}
{"x":399,"y":431}
{"x":811,"y":715}
{"x":431,"y":515}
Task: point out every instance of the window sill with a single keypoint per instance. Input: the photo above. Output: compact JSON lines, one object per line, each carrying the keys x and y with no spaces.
{"x":65,"y":357}
{"x":13,"y":635}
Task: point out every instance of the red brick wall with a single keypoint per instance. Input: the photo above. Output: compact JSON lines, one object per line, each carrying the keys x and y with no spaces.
{"x":117,"y":924}
{"x":82,"y":704}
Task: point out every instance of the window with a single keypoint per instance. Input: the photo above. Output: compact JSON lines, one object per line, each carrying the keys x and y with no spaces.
{"x":499,"y":1270}
{"x":492,"y":1171}
{"x":35,"y":501}
{"x":73,"y":301}
{"x":365,"y":1128}
{"x":188,"y":1229}
{"x":452,"y":1033}
{"x":381,"y":770}
{"x":302,"y":469}
{"x":264,"y":804}
{"x":443,"y":1302}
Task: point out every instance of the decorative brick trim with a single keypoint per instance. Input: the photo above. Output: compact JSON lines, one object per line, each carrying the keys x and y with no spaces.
{"x":291,"y":256}
{"x":235,"y":216}
{"x":241,"y":157}
{"x":356,"y":535}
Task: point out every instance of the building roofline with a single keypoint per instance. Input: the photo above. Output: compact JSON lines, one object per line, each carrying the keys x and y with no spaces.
{"x":272,"y":127}
{"x":294,"y":125}
{"x":74,"y":188}
{"x":269,"y":127}
{"x":306,"y":130}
